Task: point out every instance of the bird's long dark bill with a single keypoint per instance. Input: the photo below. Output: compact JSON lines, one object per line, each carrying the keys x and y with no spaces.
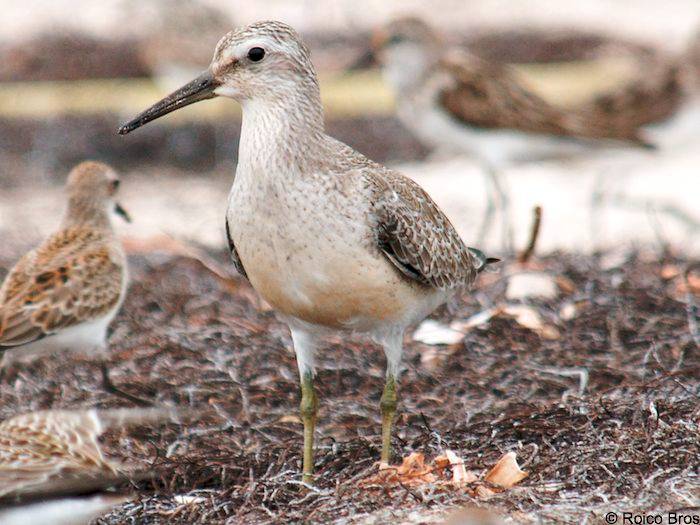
{"x":201,"y":88}
{"x":122,"y":212}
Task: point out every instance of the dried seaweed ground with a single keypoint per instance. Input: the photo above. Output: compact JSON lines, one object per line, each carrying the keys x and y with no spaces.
{"x":604,"y":417}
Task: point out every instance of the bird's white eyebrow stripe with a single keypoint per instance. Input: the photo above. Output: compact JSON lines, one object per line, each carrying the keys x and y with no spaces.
{"x":241,"y":49}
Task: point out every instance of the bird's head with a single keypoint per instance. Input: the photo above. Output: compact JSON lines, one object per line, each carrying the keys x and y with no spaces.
{"x":92,"y":189}
{"x":406,"y":48}
{"x":403,"y":34}
{"x":263,"y":61}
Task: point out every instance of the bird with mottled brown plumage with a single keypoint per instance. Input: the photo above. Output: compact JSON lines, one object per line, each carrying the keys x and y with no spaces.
{"x":485,"y":105}
{"x":329,"y":238}
{"x":52,"y":464}
{"x":64,"y":293}
{"x":662,"y":98}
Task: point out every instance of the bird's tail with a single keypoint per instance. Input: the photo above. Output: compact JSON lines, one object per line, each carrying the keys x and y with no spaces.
{"x":650,"y":98}
{"x":481,"y":260}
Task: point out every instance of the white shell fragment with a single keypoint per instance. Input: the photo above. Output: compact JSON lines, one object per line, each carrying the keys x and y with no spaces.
{"x":530,"y":318}
{"x":432,"y":332}
{"x":531,"y":284}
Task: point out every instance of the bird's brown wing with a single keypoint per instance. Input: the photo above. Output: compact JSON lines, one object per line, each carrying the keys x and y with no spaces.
{"x":70,"y":279}
{"x":52,"y":453}
{"x":490,"y":96}
{"x":44,"y":451}
{"x":17,"y":278}
{"x":416,"y":236}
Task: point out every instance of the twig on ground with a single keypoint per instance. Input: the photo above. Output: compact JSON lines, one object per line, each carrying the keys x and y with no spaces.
{"x":580,"y":372}
{"x":691,"y":308}
{"x":534,"y":235}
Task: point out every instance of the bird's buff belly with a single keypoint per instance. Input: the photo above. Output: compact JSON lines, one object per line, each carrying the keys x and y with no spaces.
{"x":346,"y":291}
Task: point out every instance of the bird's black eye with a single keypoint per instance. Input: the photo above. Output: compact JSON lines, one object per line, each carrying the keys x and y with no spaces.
{"x":396,"y":39}
{"x":115,"y":184}
{"x":256,"y":54}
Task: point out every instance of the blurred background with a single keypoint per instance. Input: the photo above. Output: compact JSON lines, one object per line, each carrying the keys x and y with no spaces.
{"x":71,"y":72}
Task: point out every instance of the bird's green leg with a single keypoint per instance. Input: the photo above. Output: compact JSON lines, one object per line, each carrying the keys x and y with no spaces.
{"x":388,"y":406}
{"x":308,"y":408}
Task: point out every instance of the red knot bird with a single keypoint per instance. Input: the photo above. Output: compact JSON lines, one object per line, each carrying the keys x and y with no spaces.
{"x":331,"y":239}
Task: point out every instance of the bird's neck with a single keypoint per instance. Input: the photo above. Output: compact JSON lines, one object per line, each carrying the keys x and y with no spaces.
{"x":84,"y":211}
{"x":407,"y":68}
{"x":285,"y":132}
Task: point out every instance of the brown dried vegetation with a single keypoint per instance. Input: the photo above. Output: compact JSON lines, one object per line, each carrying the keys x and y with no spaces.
{"x":605,"y":417}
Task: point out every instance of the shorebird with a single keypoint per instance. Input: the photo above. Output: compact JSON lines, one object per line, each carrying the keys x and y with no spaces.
{"x":649,"y":98}
{"x":454,"y":101}
{"x":329,"y":238}
{"x":65,"y":293}
{"x":49,"y":459}
{"x":450,"y":97}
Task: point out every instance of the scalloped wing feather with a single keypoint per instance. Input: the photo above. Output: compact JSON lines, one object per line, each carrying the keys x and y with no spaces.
{"x":416,"y":236}
{"x":45,"y":450}
{"x":73,"y":277}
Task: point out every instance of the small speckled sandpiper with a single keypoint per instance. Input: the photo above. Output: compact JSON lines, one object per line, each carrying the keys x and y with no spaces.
{"x":329,"y":238}
{"x":449,"y":97}
{"x":56,"y":451}
{"x":54,"y":456}
{"x":64,"y":294}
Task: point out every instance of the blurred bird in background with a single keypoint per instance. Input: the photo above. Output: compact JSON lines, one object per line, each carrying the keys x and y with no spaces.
{"x":662,"y":98}
{"x":64,"y":294}
{"x":53,"y":469}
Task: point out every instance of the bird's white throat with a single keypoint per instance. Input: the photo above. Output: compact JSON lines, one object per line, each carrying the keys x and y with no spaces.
{"x":282,"y":133}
